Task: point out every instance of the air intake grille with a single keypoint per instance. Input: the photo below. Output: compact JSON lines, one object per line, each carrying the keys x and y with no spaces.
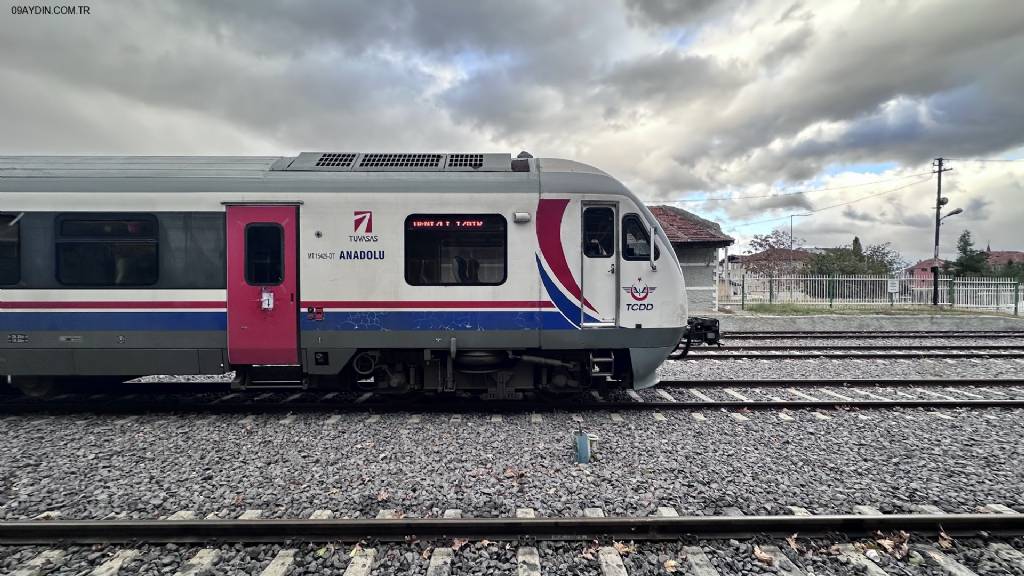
{"x":400,"y":161}
{"x":336,"y":160}
{"x":465,"y":160}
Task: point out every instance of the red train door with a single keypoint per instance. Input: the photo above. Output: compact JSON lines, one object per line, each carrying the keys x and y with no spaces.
{"x":262,"y":285}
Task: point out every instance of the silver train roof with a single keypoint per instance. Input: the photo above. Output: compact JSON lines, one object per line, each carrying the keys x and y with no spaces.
{"x":262,"y":166}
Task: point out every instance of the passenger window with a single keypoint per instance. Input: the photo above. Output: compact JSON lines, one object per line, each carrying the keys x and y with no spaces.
{"x":636,"y":239}
{"x":102,"y":251}
{"x":456,"y":249}
{"x":10,"y":249}
{"x":264,"y":254}
{"x":599,"y":232}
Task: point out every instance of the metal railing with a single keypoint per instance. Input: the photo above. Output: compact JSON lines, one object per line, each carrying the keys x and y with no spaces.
{"x":997,"y":294}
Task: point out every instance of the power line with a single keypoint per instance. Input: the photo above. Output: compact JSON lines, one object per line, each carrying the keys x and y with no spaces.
{"x":831,"y":188}
{"x":847,"y":203}
{"x":985,"y":159}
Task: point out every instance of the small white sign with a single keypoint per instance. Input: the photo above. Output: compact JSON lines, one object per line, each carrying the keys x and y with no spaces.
{"x":894,"y":286}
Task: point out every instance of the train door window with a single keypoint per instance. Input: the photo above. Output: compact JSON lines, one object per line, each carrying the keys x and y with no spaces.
{"x":456,"y":249}
{"x":264,"y":254}
{"x":599,"y":232}
{"x":107,"y":250}
{"x":10,"y":249}
{"x":636,"y":241}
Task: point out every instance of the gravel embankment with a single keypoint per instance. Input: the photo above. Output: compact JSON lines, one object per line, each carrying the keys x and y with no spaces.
{"x":152,"y":466}
{"x":852,"y":368}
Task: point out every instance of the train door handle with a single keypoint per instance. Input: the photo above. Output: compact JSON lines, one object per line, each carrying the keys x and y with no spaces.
{"x":612,"y":269}
{"x":266,"y":300}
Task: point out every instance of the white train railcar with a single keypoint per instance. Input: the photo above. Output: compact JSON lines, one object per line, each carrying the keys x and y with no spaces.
{"x":393,"y":272}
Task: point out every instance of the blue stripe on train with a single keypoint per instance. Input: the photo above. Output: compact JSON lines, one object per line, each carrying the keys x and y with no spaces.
{"x":439,"y":320}
{"x":87,"y":321}
{"x":341,"y":321}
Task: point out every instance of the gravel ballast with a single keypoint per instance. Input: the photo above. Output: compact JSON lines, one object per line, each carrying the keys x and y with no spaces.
{"x":152,"y":466}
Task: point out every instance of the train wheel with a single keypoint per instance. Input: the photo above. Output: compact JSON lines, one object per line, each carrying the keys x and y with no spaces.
{"x":35,"y":386}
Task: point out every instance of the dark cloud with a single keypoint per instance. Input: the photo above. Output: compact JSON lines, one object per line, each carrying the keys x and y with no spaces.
{"x":665,"y":13}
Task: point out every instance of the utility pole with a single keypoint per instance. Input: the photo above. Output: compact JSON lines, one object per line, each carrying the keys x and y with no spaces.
{"x":939,"y":203}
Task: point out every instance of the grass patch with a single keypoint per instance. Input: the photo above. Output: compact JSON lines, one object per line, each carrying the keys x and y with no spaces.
{"x":803,"y":310}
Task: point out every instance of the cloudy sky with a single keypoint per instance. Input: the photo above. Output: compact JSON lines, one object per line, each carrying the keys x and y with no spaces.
{"x":685,"y":101}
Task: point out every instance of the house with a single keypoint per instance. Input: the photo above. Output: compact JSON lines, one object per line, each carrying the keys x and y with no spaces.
{"x":924,"y":267}
{"x":777,"y":261}
{"x":696,"y":242}
{"x":1000,"y":258}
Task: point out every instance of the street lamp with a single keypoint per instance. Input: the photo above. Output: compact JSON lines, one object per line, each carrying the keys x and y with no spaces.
{"x":935,"y":262}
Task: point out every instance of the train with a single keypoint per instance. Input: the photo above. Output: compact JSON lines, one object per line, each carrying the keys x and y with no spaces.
{"x":385,"y":272}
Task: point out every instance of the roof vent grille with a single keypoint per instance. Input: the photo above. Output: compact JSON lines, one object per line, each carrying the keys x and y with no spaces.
{"x":336,"y":160}
{"x":465,"y":160}
{"x":400,"y":161}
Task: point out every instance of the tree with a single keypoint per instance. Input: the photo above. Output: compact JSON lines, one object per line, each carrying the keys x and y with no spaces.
{"x":853,"y":260}
{"x":770,"y":253}
{"x":969,"y":262}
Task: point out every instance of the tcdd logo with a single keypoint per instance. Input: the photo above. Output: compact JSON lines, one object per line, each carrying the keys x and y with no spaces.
{"x":639,"y":291}
{"x":363,"y":223}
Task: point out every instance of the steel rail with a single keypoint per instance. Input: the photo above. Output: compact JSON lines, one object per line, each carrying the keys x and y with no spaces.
{"x":842,"y":382}
{"x":797,"y":347}
{"x":876,"y":334}
{"x":847,"y":356}
{"x":76,"y":532}
{"x":485,"y":407}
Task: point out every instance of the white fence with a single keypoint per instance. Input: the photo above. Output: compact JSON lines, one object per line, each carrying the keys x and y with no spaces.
{"x":999,"y":294}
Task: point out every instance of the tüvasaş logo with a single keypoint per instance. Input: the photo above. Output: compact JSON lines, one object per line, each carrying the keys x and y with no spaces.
{"x":363,"y":222}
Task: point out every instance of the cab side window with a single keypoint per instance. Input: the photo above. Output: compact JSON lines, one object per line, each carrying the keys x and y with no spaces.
{"x":599,"y":232}
{"x":636,"y":241}
{"x":10,"y":249}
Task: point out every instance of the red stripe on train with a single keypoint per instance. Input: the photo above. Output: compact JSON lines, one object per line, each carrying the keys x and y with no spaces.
{"x":378,"y":304}
{"x":118,"y":304}
{"x":411,"y":304}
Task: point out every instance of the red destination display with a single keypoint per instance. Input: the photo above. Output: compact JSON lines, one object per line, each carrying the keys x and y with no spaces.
{"x":454,"y":222}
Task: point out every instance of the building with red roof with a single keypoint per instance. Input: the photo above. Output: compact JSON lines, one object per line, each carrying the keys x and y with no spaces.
{"x":696,"y":242}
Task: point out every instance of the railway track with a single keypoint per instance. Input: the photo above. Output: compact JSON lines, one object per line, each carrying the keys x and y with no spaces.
{"x":838,"y":334}
{"x":671,"y":395}
{"x":47,"y":532}
{"x":849,"y":352}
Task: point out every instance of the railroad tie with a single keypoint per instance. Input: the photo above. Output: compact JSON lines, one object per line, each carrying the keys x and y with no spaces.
{"x":321,"y":515}
{"x":362,"y":562}
{"x":334,"y":419}
{"x":593,"y":513}
{"x":611,"y":562}
{"x":200,"y":563}
{"x":183,"y":515}
{"x":527,"y":561}
{"x":453,"y":513}
{"x":281,"y":563}
{"x":526,"y":513}
{"x":699,"y":563}
{"x":1008,"y":553}
{"x":665,"y":395}
{"x":947,"y":564}
{"x":440,"y":562}
{"x":1000,"y":509}
{"x":41,"y":564}
{"x":859,"y":560}
{"x":867,"y":511}
{"x":113,"y":566}
{"x":251,"y":515}
{"x":782,"y":562}
{"x":799,"y":511}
